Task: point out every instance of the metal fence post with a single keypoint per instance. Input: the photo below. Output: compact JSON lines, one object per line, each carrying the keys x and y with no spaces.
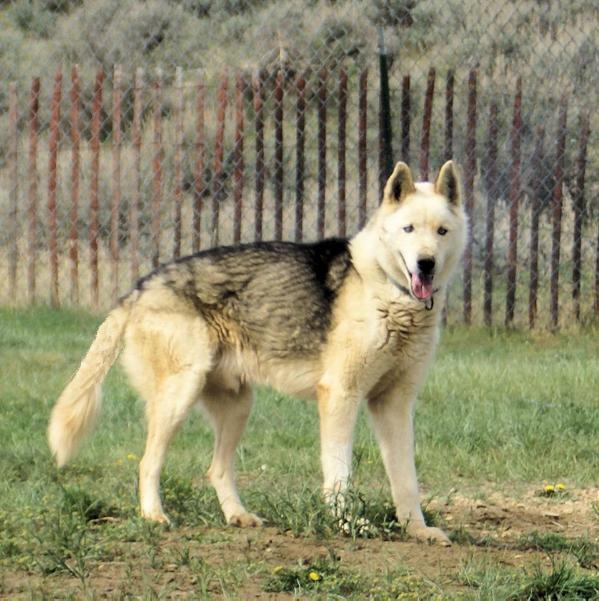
{"x":385,"y":131}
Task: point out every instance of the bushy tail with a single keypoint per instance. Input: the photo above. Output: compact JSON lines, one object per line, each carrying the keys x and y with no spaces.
{"x":76,"y":409}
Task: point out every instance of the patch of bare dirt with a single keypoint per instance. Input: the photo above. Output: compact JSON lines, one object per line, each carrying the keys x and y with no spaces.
{"x":571,"y":514}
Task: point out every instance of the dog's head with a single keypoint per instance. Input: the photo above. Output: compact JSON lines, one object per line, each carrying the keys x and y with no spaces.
{"x":422,"y":227}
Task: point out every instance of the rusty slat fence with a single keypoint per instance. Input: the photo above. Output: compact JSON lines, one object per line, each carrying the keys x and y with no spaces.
{"x":185,"y":163}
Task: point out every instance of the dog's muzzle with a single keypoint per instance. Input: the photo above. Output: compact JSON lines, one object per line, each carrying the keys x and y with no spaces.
{"x":421,"y":281}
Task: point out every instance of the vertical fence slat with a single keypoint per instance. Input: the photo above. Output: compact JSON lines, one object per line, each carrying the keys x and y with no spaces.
{"x":278,"y":170}
{"x":557,"y":199}
{"x":492,"y":193}
{"x":75,"y":177}
{"x":258,"y":98}
{"x":33,"y":186}
{"x":200,"y":161}
{"x":239,"y":166}
{"x":363,"y":148}
{"x":322,"y":153}
{"x":535,"y":213}
{"x":341,"y":152}
{"x":53,"y":140}
{"x":13,"y":174}
{"x":578,"y":203}
{"x":448,"y":149}
{"x":157,"y":170}
{"x":515,"y":190}
{"x":300,"y":161}
{"x":427,"y":115}
{"x":138,"y":90}
{"x":406,"y":108}
{"x":177,"y":162}
{"x":385,"y":128}
{"x":470,"y":169}
{"x":219,"y":149}
{"x":115,"y":207}
{"x":95,"y":174}
{"x":449,"y":88}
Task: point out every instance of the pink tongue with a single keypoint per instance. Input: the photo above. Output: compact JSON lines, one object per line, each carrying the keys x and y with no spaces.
{"x":422,"y":289}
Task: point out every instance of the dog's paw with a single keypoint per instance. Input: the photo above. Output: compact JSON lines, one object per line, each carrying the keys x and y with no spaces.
{"x":245,"y":520}
{"x":428,"y":534}
{"x":156,"y":516}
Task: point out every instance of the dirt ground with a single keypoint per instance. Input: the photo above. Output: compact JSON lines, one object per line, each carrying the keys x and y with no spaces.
{"x":494,"y":527}
{"x":571,"y":515}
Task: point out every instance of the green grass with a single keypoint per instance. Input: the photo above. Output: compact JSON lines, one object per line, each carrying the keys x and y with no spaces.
{"x":326,"y":576}
{"x":562,"y":582}
{"x":512,"y":408}
{"x":584,"y":550}
{"x":559,"y":582}
{"x":507,"y":408}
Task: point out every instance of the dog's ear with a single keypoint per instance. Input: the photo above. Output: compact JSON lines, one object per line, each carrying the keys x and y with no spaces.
{"x":448,"y":183}
{"x":399,"y":184}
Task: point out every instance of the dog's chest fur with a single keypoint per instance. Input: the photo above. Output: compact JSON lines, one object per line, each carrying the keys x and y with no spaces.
{"x":404,"y":324}
{"x":380,"y":340}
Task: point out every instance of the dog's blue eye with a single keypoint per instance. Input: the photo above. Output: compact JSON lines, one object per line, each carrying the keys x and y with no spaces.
{"x":408,"y":229}
{"x":441,"y":231}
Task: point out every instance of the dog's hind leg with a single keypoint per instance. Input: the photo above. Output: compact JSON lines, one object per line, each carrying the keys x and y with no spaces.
{"x":228,"y":413}
{"x":167,"y":357}
{"x":166,"y":412}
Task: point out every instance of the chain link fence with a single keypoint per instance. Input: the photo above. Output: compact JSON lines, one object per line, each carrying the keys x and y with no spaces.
{"x":133,"y":132}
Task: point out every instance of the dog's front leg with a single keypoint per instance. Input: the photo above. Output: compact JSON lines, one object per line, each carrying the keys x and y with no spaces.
{"x":392,"y":419}
{"x":338,"y":410}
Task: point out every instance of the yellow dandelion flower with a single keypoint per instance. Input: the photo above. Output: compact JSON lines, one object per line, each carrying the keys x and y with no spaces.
{"x":560,"y":486}
{"x":277,"y":569}
{"x":549,"y":488}
{"x":314,"y":576}
{"x":132,"y":457}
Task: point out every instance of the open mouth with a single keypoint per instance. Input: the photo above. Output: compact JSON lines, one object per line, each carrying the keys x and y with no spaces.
{"x":422,"y":285}
{"x":422,"y":288}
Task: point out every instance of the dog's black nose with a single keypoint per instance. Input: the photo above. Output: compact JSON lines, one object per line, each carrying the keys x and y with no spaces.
{"x":427,"y":265}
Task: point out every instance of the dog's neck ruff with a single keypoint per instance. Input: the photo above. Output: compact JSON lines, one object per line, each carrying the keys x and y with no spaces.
{"x":428,"y":303}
